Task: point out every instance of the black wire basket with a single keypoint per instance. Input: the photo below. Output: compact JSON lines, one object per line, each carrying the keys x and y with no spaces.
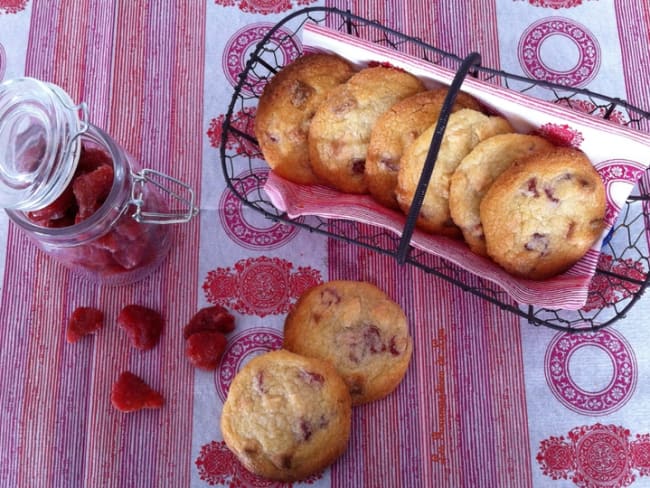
{"x":622,"y":273}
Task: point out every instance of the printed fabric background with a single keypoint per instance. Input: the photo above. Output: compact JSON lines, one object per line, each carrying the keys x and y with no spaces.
{"x":488,"y":400}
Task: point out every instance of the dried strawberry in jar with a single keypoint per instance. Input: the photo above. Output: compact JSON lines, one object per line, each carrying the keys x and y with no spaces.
{"x":76,"y":193}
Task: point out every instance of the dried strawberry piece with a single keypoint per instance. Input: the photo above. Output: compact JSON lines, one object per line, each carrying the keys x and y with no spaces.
{"x":129,"y":248}
{"x":133,"y":254}
{"x":129,"y":230}
{"x":91,"y":189}
{"x":204,"y":349}
{"x":63,"y":206}
{"x":82,"y":322}
{"x":210,"y":319}
{"x":92,"y":158}
{"x":384,"y":64}
{"x":93,"y":258}
{"x":65,"y":221}
{"x":143,"y":325}
{"x":131,"y":393}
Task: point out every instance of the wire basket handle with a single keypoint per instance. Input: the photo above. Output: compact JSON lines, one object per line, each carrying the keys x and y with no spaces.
{"x":472,"y":60}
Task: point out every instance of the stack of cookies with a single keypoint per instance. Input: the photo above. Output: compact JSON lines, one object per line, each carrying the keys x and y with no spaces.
{"x":288,"y":412}
{"x":533,"y":208}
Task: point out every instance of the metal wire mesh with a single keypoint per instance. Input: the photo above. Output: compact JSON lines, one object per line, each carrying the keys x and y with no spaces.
{"x":622,"y":273}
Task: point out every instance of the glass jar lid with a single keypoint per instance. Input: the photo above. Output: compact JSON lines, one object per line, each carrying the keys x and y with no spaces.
{"x":39,"y":143}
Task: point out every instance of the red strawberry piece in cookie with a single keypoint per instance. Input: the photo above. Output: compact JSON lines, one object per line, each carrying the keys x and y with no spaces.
{"x":82,"y":322}
{"x":131,"y":393}
{"x":143,"y":325}
{"x":210,"y":319}
{"x":204,"y":349}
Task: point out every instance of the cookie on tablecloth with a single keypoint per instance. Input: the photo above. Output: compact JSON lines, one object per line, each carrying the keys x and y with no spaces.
{"x":395,"y":130}
{"x":542,"y":214}
{"x":476,"y":173}
{"x":340,"y":130}
{"x":286,"y":416}
{"x":356,"y":327}
{"x":465,"y":129}
{"x":286,"y":108}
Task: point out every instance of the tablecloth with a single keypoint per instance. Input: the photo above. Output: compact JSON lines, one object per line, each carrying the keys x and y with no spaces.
{"x":488,"y":401}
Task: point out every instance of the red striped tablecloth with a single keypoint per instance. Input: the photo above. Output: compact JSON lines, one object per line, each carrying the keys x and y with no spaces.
{"x":488,"y":401}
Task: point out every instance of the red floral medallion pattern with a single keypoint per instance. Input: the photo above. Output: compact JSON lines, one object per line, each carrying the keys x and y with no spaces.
{"x":12,"y":6}
{"x":263,"y":7}
{"x":244,"y":123}
{"x":561,"y":134}
{"x":530,"y":51}
{"x":615,"y":171}
{"x":556,"y":457}
{"x":233,"y":217}
{"x":608,"y":289}
{"x":596,"y":456}
{"x":640,"y":451}
{"x":555,"y":4}
{"x":259,"y":286}
{"x":282,"y":45}
{"x":217,"y":465}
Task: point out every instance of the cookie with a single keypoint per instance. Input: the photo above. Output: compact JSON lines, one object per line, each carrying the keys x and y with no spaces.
{"x":542,"y":214}
{"x":286,"y":416}
{"x":359,"y":329}
{"x":465,"y":129}
{"x":475,"y":174}
{"x":286,"y":108}
{"x":340,"y":130}
{"x":395,"y":130}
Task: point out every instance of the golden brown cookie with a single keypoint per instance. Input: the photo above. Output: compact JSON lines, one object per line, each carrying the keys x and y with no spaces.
{"x":395,"y":130}
{"x":356,"y":327}
{"x":475,"y":174}
{"x":286,"y":416}
{"x":286,"y":108}
{"x":465,"y":129}
{"x":542,"y":214}
{"x":340,"y":130}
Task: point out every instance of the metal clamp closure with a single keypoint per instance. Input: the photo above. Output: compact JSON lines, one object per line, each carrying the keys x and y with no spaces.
{"x":185,"y":196}
{"x":82,"y":109}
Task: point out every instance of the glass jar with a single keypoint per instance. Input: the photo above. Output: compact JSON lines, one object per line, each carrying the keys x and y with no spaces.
{"x":76,"y":193}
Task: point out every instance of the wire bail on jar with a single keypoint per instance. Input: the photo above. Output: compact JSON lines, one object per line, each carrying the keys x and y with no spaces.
{"x":82,"y":109}
{"x":143,"y":177}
